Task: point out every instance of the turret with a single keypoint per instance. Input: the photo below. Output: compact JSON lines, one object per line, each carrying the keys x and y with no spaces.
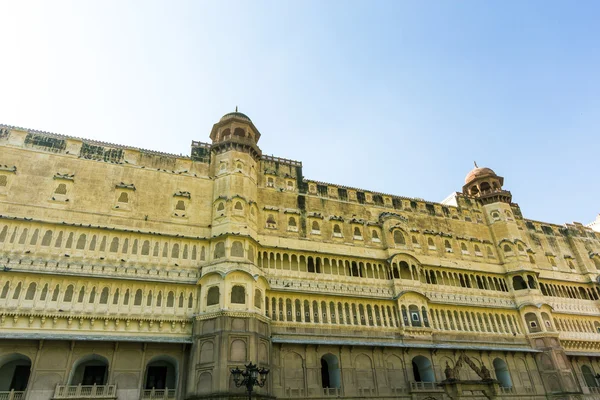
{"x":485,"y":185}
{"x":235,"y":131}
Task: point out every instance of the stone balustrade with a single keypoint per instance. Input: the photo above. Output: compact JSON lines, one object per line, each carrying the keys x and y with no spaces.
{"x":12,"y":395}
{"x":158,"y":394}
{"x":85,"y":392}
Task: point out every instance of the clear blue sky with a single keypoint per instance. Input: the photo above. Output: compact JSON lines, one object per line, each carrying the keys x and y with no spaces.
{"x":398,"y":97}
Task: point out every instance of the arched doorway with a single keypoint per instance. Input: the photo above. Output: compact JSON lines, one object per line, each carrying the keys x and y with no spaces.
{"x":14,"y":372}
{"x":161,"y":373}
{"x":90,"y":370}
{"x":422,"y":369}
{"x":502,"y":373}
{"x":330,"y":372}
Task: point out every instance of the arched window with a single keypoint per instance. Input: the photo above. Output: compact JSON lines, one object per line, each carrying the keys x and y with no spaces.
{"x":292,"y":224}
{"x":330,"y":372}
{"x":170,"y":299}
{"x":239,"y":132}
{"x":31,"y":291}
{"x":161,"y":373}
{"x":257,"y":298}
{"x":375,"y":236}
{"x":220,"y":250}
{"x":588,"y":376}
{"x":502,"y":373}
{"x":90,"y":370}
{"x":15,"y":372}
{"x":3,"y":180}
{"x":5,"y":289}
{"x":46,"y":240}
{"x":213,"y":295}
{"x":104,"y":296}
{"x":399,"y":238}
{"x":238,"y":206}
{"x":221,"y":206}
{"x":146,"y":248}
{"x":271,"y":223}
{"x":519,"y":283}
{"x":81,"y":242}
{"x":337,"y":231}
{"x":430,"y":243}
{"x":357,"y":232}
{"x":180,"y":205}
{"x":175,"y":251}
{"x":138,"y":298}
{"x":448,"y":246}
{"x":463,"y":248}
{"x":507,"y":250}
{"x":114,"y":245}
{"x":238,"y":295}
{"x":532,"y":322}
{"x":315,"y":227}
{"x":422,"y":369}
{"x":68,"y":297}
{"x":237,"y":249}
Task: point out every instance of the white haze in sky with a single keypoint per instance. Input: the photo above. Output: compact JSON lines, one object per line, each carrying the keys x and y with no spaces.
{"x":396,"y":97}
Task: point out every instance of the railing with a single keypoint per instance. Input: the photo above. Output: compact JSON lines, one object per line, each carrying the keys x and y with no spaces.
{"x":337,"y":392}
{"x":593,"y":389}
{"x":12,"y":395}
{"x":424,"y":386}
{"x":294,"y":392}
{"x":398,"y":390}
{"x":85,"y":391}
{"x":157,"y":394}
{"x":507,"y":390}
{"x":366,"y":392}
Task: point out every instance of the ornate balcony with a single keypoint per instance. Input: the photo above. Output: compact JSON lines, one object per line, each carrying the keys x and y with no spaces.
{"x":12,"y":395}
{"x":85,"y":392}
{"x":158,"y":394}
{"x":425,"y":387}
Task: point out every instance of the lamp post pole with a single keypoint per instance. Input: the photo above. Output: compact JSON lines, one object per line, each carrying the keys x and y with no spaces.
{"x":250,"y":377}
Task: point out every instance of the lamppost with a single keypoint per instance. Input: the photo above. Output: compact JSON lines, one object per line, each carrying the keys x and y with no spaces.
{"x":252,"y":376}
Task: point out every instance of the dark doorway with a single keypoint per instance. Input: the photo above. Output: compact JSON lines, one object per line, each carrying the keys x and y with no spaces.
{"x":324,"y":373}
{"x":416,"y":374}
{"x":94,"y":375}
{"x":157,"y":378}
{"x":20,"y":378}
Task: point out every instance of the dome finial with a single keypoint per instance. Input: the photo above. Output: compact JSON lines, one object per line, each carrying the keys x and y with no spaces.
{"x":474,"y":162}
{"x":236,"y":109}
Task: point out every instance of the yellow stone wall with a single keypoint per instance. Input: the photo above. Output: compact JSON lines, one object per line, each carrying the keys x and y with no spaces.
{"x":231,"y":256}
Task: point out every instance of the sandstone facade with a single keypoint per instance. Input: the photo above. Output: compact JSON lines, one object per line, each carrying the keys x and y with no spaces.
{"x":134,"y":274}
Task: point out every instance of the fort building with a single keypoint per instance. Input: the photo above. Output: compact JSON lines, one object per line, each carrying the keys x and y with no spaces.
{"x":133,"y":274}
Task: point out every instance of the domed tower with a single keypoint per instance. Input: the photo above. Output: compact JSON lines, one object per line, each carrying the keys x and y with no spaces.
{"x":230,"y":326}
{"x":484,"y":184}
{"x":235,"y":130}
{"x":235,"y":160}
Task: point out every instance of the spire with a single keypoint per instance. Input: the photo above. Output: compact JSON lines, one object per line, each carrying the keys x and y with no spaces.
{"x":474,"y":162}
{"x":236,"y":109}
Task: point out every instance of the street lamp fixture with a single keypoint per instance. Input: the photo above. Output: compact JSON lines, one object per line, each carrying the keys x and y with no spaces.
{"x":252,"y":376}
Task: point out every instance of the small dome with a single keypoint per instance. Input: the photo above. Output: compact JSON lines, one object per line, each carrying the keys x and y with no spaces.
{"x":235,"y":114}
{"x":478,"y":173}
